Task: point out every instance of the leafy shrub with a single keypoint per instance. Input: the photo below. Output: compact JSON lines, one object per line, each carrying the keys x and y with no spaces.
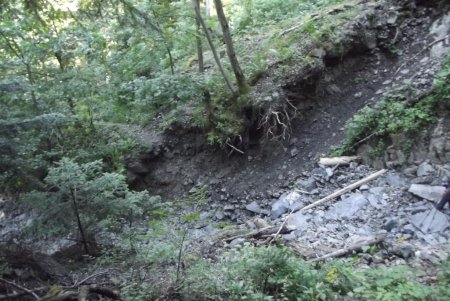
{"x":83,"y":195}
{"x":274,"y":273}
{"x":253,"y":273}
{"x":393,"y":283}
{"x":254,"y":13}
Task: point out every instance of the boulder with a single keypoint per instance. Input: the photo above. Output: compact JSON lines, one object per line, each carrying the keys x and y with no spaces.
{"x":298,"y":220}
{"x":431,"y":193}
{"x":348,"y":206}
{"x":307,"y":185}
{"x":253,"y":207}
{"x":425,"y":169}
{"x":402,"y":249}
{"x":286,"y":201}
{"x":430,"y":221}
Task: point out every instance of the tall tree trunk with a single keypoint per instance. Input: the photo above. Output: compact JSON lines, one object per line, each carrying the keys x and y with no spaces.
{"x":196,"y":4}
{"x":240,"y":78}
{"x":208,"y":7}
{"x":73,"y":193}
{"x":213,"y":48}
{"x":201,"y":66}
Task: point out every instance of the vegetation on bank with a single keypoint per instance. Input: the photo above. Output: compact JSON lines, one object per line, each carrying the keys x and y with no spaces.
{"x":97,"y":63}
{"x":273,"y":273}
{"x":405,"y":111}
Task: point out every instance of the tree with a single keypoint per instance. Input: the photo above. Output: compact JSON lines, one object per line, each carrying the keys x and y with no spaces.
{"x":198,"y":40}
{"x":211,"y":45}
{"x":240,"y":78}
{"x":83,"y":195}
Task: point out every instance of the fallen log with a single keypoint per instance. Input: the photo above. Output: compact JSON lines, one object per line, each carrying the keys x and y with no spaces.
{"x":260,"y":232}
{"x":354,"y":247}
{"x":344,"y":160}
{"x":344,"y":190}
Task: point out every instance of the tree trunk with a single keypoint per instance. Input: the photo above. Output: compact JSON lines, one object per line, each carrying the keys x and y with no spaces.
{"x":213,"y":48}
{"x":31,"y":80}
{"x":80,"y":225}
{"x":208,"y":7}
{"x":240,"y":78}
{"x":198,"y":39}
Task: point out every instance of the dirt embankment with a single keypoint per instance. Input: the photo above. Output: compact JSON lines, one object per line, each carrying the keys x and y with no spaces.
{"x":382,"y":47}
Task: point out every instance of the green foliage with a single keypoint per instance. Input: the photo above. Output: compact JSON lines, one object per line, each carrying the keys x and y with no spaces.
{"x":251,"y":274}
{"x":396,"y":283}
{"x":30,"y":146}
{"x":249,"y":14}
{"x":85,"y":191}
{"x":274,"y":273}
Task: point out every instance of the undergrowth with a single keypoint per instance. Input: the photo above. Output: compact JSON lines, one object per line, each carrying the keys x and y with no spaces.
{"x":275,"y":273}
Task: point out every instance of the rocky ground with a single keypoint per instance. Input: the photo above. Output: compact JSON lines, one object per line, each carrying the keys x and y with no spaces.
{"x":390,"y":206}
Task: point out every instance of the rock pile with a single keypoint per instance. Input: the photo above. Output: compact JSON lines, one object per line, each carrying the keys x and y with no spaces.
{"x":393,"y":205}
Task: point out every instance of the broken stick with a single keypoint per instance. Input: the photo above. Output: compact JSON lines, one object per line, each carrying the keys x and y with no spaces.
{"x":260,"y":232}
{"x":345,"y":189}
{"x":346,"y":250}
{"x":344,"y":160}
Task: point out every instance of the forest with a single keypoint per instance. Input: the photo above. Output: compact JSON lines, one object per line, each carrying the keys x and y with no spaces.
{"x":132,"y":130}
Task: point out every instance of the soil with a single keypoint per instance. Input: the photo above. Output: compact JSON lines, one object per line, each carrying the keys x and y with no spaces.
{"x":345,"y":85}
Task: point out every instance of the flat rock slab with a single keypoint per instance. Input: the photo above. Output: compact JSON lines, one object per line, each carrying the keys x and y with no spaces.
{"x":375,"y":196}
{"x":348,"y":206}
{"x":430,"y":221}
{"x":428,"y":192}
{"x":254,"y":207}
{"x":298,"y":221}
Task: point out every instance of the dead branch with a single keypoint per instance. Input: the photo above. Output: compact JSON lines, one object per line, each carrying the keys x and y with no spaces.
{"x":227,"y":142}
{"x":79,"y":283}
{"x":349,"y":249}
{"x":281,"y":228}
{"x":21,"y":294}
{"x":344,"y":160}
{"x":260,"y":232}
{"x":346,"y":189}
{"x":364,"y":139}
{"x":29,"y":292}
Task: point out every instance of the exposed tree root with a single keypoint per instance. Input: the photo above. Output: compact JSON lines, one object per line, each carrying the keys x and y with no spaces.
{"x":276,"y":121}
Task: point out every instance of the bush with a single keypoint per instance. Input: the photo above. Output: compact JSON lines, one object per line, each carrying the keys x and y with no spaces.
{"x":275,"y":273}
{"x":83,"y":195}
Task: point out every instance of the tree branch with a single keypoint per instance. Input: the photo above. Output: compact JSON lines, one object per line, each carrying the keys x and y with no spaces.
{"x":30,"y":292}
